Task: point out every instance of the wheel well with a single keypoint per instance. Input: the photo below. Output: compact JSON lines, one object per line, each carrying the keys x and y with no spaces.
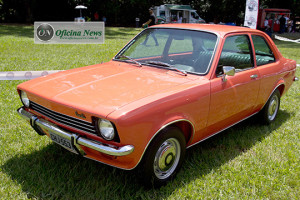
{"x":186,"y":128}
{"x":281,"y":89}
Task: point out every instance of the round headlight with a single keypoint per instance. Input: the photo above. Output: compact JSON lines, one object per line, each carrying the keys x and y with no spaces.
{"x":106,"y":129}
{"x":25,"y":99}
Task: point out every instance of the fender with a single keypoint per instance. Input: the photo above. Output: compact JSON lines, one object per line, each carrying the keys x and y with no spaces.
{"x":279,"y":83}
{"x":158,"y":131}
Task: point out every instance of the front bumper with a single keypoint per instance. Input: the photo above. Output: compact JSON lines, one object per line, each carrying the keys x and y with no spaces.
{"x":75,"y":139}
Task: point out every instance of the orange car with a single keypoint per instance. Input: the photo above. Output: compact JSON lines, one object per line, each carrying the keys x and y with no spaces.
{"x":169,"y":88}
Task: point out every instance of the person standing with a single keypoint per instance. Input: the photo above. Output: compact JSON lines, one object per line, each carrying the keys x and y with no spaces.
{"x":293,"y":24}
{"x":286,"y":22}
{"x":151,"y":20}
{"x":96,"y":16}
{"x":267,"y":27}
{"x":104,"y":19}
{"x":179,"y":18}
{"x":282,"y":21}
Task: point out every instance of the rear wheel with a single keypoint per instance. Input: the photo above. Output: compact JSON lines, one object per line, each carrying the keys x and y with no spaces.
{"x":164,"y":157}
{"x":270,"y":110}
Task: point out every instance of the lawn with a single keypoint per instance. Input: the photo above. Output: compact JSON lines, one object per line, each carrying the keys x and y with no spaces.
{"x":247,"y":161}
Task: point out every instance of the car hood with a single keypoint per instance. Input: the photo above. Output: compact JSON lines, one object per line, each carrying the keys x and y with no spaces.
{"x":103,"y":88}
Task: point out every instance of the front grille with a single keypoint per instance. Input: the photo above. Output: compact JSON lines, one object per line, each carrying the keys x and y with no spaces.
{"x":64,"y":119}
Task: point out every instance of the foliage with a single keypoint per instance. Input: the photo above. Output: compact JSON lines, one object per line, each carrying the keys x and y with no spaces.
{"x":124,"y":12}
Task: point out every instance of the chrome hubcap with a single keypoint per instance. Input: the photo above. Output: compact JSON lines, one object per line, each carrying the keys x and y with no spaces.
{"x":166,"y":158}
{"x":273,"y":108}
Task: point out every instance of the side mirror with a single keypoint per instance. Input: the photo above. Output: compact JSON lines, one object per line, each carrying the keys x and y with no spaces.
{"x":227,"y":71}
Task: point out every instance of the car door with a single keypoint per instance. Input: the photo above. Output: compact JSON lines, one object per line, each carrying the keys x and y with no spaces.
{"x":234,"y":99}
{"x":267,"y":65}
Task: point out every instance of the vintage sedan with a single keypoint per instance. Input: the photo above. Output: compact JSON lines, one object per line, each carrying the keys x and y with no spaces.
{"x":171,"y":87}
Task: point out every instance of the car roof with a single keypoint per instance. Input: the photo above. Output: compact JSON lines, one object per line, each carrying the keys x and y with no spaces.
{"x":215,"y":28}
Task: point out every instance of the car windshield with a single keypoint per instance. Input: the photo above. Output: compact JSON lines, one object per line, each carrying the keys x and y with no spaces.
{"x":184,"y":50}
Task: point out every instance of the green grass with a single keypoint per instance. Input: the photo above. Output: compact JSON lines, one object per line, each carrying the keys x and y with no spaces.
{"x":289,"y":49}
{"x":248,"y":161}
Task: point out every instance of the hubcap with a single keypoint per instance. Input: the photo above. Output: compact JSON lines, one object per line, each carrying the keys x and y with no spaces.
{"x":166,"y":158}
{"x":273,"y":108}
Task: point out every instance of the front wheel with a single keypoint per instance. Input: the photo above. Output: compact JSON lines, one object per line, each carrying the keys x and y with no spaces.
{"x":164,"y":157}
{"x":270,"y":110}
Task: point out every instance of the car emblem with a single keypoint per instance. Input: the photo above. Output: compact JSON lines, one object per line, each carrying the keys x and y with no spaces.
{"x":80,"y":115}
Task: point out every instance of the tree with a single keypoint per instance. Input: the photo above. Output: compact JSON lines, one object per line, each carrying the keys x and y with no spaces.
{"x":124,"y":12}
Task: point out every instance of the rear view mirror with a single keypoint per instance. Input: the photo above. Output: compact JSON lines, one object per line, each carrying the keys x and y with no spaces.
{"x":227,"y":71}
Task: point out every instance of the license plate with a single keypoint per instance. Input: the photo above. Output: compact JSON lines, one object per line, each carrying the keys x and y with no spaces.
{"x":61,"y":141}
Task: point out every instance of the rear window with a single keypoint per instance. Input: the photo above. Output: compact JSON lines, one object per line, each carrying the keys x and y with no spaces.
{"x":263,"y":53}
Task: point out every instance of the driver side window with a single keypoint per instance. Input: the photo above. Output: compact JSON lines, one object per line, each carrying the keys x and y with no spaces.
{"x":237,"y":53}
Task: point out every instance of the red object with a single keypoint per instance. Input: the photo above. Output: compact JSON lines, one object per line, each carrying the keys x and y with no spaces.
{"x":267,"y":12}
{"x":96,"y":16}
{"x":142,"y":101}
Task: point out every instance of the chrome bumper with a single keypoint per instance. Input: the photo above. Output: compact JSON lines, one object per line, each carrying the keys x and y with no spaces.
{"x":76,"y":140}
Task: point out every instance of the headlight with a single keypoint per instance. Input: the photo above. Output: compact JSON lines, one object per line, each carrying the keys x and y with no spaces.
{"x":25,"y":99}
{"x":106,"y":129}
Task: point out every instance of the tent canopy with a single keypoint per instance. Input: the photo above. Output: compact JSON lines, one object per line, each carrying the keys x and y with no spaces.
{"x":80,"y":7}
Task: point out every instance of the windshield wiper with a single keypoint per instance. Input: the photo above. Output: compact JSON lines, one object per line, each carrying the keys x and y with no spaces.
{"x":133,"y":60}
{"x":166,"y":65}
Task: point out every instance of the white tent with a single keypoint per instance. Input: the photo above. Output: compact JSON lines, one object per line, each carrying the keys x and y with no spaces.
{"x":80,"y":7}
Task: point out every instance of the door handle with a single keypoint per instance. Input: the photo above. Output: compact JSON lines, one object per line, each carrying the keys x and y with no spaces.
{"x":253,"y":76}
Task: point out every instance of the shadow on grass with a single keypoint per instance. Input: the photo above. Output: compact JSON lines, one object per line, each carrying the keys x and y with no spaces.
{"x":54,"y":173}
{"x":16,"y":30}
{"x":218,"y":150}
